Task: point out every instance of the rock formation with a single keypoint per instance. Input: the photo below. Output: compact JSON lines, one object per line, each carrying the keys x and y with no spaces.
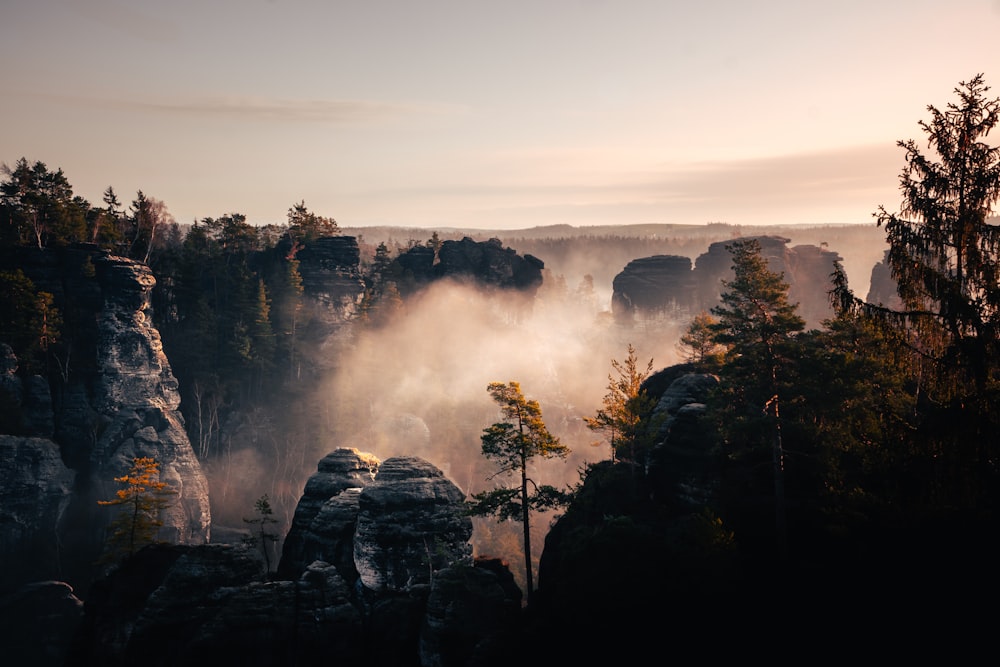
{"x":35,"y":492}
{"x":412,"y":596}
{"x":325,"y":517}
{"x":488,"y":263}
{"x":411,"y":522}
{"x":331,"y":274}
{"x":653,"y":285}
{"x":113,"y":398}
{"x":650,"y":286}
{"x":882,"y":290}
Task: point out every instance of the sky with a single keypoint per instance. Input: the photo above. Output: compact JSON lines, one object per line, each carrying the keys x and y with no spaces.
{"x":487,"y":115}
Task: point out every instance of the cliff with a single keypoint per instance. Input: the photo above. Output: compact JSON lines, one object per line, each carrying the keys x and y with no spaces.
{"x":110,"y":397}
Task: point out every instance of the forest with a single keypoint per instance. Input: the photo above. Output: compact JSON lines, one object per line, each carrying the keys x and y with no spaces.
{"x":867,"y":446}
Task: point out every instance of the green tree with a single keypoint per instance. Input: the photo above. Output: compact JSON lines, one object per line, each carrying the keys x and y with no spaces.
{"x":260,"y":536}
{"x":37,"y":206}
{"x":288,"y":312}
{"x":757,"y":324}
{"x":698,"y":344}
{"x":626,"y":407}
{"x":305,"y":226}
{"x":514,"y":444}
{"x":29,"y":322}
{"x":943,"y":252}
{"x":944,"y":255}
{"x":140,"y":499}
{"x":260,"y":354}
{"x":107,"y":224}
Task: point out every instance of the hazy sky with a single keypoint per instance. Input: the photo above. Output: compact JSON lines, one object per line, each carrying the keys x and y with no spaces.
{"x":437,"y":113}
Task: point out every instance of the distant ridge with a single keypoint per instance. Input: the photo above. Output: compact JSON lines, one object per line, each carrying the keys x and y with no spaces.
{"x":569,"y":231}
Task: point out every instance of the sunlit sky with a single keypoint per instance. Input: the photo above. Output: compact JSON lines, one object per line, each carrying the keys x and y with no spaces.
{"x":503,"y":115}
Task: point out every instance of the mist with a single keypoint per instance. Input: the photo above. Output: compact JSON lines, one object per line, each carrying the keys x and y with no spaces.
{"x":417,"y":385}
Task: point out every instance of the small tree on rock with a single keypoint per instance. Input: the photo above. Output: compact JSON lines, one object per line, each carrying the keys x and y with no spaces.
{"x":260,"y":536}
{"x":140,"y":500}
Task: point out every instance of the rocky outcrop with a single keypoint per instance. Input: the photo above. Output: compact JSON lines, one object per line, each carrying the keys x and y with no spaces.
{"x":331,"y":274}
{"x":38,"y":622}
{"x":205,"y":605}
{"x":681,"y":455}
{"x":466,"y":605}
{"x":415,"y":597}
{"x":651,"y":286}
{"x":487,"y":263}
{"x":882,"y":290}
{"x":113,"y":398}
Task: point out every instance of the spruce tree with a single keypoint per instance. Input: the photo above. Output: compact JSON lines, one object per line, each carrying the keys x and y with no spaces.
{"x":757,"y":323}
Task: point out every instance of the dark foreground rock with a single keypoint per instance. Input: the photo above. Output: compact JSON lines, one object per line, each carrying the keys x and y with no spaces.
{"x":411,"y":596}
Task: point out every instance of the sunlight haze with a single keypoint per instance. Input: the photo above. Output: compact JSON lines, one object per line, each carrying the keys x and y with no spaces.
{"x":487,"y":115}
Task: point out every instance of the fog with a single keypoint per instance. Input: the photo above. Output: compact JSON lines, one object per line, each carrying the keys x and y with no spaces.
{"x":417,"y":384}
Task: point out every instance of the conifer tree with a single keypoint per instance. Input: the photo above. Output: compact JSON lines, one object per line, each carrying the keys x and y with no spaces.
{"x":757,"y":323}
{"x":944,"y":252}
{"x":944,"y":255}
{"x":514,"y":444}
{"x":261,"y":536}
{"x":29,"y":322}
{"x":698,"y":344}
{"x":625,"y":406}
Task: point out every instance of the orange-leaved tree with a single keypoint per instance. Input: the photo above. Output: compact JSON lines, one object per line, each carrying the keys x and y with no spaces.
{"x":140,"y":499}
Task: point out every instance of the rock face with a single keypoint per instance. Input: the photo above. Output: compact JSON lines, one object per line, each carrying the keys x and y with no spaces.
{"x":39,"y":621}
{"x":389,"y":524}
{"x":34,"y":496}
{"x":205,"y":605}
{"x":324,"y":521}
{"x":653,"y":285}
{"x":649,"y":286}
{"x":113,"y":399}
{"x":330,"y":272}
{"x":411,"y":521}
{"x":680,"y":457}
{"x":412,"y":596}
